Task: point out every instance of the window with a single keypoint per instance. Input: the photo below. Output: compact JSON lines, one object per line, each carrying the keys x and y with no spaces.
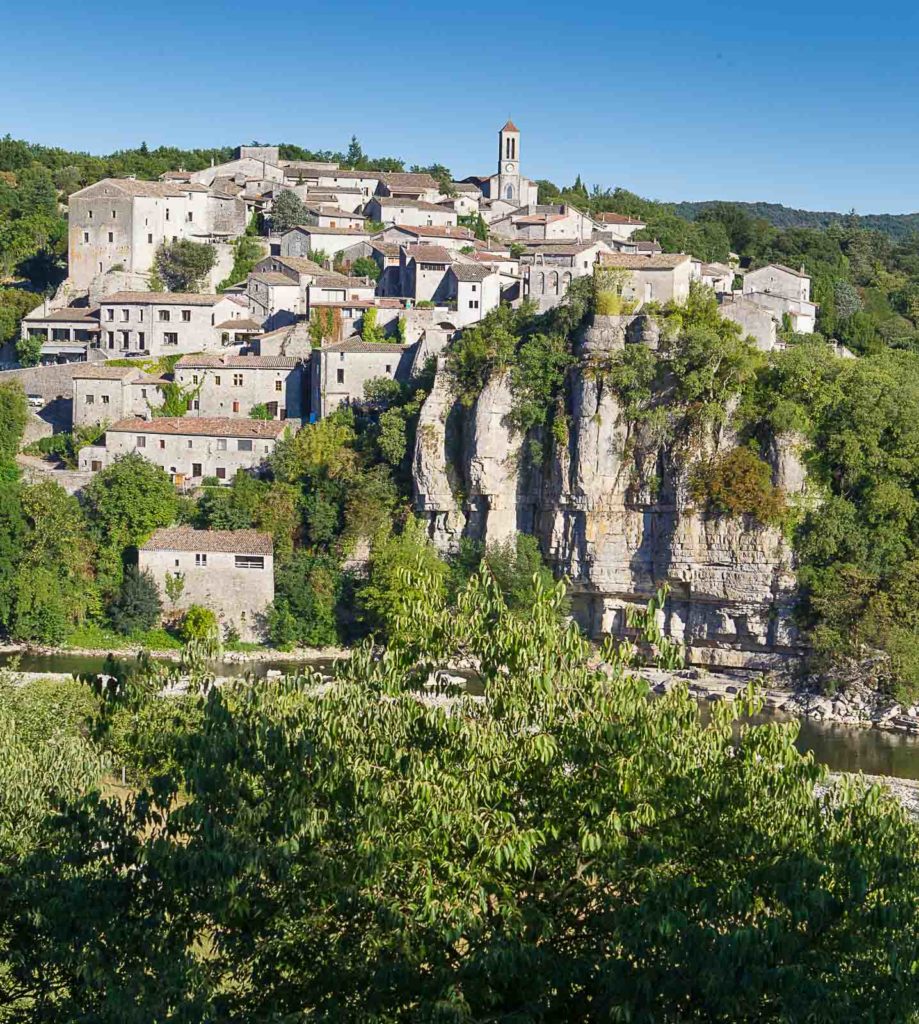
{"x":249,"y":562}
{"x":164,"y":316}
{"x":125,"y":339}
{"x":279,"y":385}
{"x":474,"y":287}
{"x":186,"y":316}
{"x":170,"y":338}
{"x":236,"y":407}
{"x":85,"y":236}
{"x":125,"y":315}
{"x":473,"y":303}
{"x":237,"y":380}
{"x":149,"y":238}
{"x":110,"y":314}
{"x":104,"y":399}
{"x":194,"y":378}
{"x":111,"y":339}
{"x":389,"y":367}
{"x":143,"y":392}
{"x":189,"y":443}
{"x":113,"y":215}
{"x":200,"y":560}
{"x":90,"y":399}
{"x":90,"y":214}
{"x":140,"y":314}
{"x":244,"y":445}
{"x":140,"y":339}
{"x":340,"y":376}
{"x":167,"y":213}
{"x":196,"y":469}
{"x":162,"y":444}
{"x":196,"y":405}
{"x":140,"y":441}
{"x":221,"y":473}
{"x":190,"y":217}
{"x":221,"y":444}
{"x":217,"y":380}
{"x":111,"y":236}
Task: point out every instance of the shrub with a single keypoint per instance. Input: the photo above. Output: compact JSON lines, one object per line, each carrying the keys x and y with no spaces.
{"x":137,"y":606}
{"x":737,"y":482}
{"x":199,"y":624}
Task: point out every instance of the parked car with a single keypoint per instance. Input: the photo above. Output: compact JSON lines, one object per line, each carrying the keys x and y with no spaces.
{"x":36,"y":401}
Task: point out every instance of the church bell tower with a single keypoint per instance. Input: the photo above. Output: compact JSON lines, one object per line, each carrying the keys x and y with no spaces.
{"x":509,"y":163}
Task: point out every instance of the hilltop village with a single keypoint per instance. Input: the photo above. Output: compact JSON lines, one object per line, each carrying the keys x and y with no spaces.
{"x":355,"y":277}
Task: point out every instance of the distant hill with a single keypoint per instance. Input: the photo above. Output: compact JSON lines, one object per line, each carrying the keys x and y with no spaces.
{"x":897,"y":225}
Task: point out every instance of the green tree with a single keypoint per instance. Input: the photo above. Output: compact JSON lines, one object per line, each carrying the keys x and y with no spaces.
{"x":287,"y":212}
{"x":137,"y":606}
{"x":126,"y":502}
{"x":183,"y":264}
{"x":369,"y":330}
{"x":247,"y":251}
{"x":200,"y":624}
{"x":307,"y":590}
{"x":14,"y":414}
{"x":14,"y":304}
{"x":28,"y":351}
{"x":563,"y":848}
{"x":365,"y":266}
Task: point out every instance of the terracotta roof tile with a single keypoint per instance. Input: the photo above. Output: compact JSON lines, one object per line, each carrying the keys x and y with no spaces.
{"x":162,"y":298}
{"x":216,"y":426}
{"x":184,"y":538}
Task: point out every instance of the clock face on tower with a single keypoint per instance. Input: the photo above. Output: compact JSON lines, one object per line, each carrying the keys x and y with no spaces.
{"x":509,"y":168}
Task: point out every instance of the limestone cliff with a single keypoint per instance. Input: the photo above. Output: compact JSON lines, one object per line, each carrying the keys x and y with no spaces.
{"x":612,"y":511}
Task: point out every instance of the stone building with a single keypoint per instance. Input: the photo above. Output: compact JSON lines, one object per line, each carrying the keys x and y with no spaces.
{"x":549,"y":267}
{"x":508,"y":184}
{"x":67,"y":334}
{"x":756,"y":322}
{"x":231,"y":572}
{"x":423,"y":273}
{"x":447,"y":235}
{"x":340,"y":371}
{"x":537,"y":222}
{"x":408,"y":185}
{"x":123,"y":221}
{"x":659,"y":278}
{"x":232,"y":385}
{"x":615,"y":227}
{"x":409,"y":211}
{"x":306,"y":239}
{"x":106,"y":394}
{"x":784,"y":292}
{"x":476,"y":290}
{"x":189,"y":448}
{"x":158,"y":324}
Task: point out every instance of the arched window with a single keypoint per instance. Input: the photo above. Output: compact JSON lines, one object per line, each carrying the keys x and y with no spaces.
{"x":509,"y":192}
{"x":541,"y":284}
{"x":566,"y":280}
{"x":553,"y":282}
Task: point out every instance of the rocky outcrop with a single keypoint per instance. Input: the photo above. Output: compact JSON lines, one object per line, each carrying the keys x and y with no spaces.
{"x":612,"y":511}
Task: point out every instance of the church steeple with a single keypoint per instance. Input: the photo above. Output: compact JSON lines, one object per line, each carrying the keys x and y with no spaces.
{"x":509,"y":149}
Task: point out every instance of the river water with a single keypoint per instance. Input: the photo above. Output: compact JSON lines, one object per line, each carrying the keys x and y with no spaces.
{"x":840,"y":747}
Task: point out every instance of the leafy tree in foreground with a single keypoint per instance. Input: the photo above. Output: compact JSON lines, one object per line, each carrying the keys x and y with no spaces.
{"x":287,"y":211}
{"x":28,"y":351}
{"x":14,"y":414}
{"x":563,"y":850}
{"x":182,"y":265}
{"x":137,"y":606}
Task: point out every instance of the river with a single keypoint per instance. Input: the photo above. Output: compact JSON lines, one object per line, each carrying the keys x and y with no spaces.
{"x":841,"y":747}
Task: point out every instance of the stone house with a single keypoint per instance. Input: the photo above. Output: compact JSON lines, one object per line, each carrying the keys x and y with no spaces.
{"x":408,"y":185}
{"x":231,"y":572}
{"x":306,"y":239}
{"x":476,"y":290}
{"x":274,"y":299}
{"x":189,"y":448}
{"x":548,"y":268}
{"x":615,"y":227}
{"x":365,"y":182}
{"x":755,"y":321}
{"x":325,"y":215}
{"x":123,"y":221}
{"x":784,"y":292}
{"x":231,"y":385}
{"x":718,"y":277}
{"x":351,"y":200}
{"x":653,"y":278}
{"x":409,"y":211}
{"x":333,"y":287}
{"x":106,"y":394}
{"x":155,"y":324}
{"x":340,"y":371}
{"x":449,"y":236}
{"x":544,"y":222}
{"x":67,"y":334}
{"x":423,"y":273}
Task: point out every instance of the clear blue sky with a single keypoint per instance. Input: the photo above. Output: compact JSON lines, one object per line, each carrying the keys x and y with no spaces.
{"x":808,"y":103}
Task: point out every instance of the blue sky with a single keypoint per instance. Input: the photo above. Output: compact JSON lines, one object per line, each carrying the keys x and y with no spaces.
{"x":808,"y":104}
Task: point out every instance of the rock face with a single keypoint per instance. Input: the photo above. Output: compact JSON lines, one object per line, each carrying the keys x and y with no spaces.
{"x":612,"y":512}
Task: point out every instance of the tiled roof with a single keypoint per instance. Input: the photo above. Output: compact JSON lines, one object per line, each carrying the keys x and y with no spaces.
{"x":93,"y":371}
{"x":215,"y":426}
{"x":230,"y":362}
{"x":618,"y":218}
{"x":635,"y":261}
{"x":436,"y":231}
{"x":273,"y":278}
{"x":562,"y":247}
{"x":471,"y":271}
{"x":409,"y":180}
{"x":301,"y":264}
{"x":410,"y":204}
{"x":510,"y":127}
{"x":356,"y":345}
{"x":428,"y":253}
{"x":241,"y":323}
{"x":782,"y":267}
{"x":134,"y":187}
{"x":465,"y":186}
{"x":314,"y":229}
{"x":69,"y":315}
{"x":386,"y":248}
{"x":162,"y":298}
{"x":340,"y":281}
{"x":233,"y":542}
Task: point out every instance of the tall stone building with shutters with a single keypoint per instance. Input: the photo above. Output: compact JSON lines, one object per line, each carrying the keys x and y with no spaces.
{"x":508,"y":184}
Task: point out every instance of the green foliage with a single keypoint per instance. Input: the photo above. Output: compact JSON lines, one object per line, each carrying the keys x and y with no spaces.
{"x":476,"y":223}
{"x":14,"y":304}
{"x":365,"y":266}
{"x":247,"y":251}
{"x":200,"y":625}
{"x":287,"y":211}
{"x":176,"y":399}
{"x":324,"y":326}
{"x":260,"y":411}
{"x":137,"y":606}
{"x":14,"y":414}
{"x":307,"y":590}
{"x":28,"y":351}
{"x":357,"y":851}
{"x":66,"y":447}
{"x":537,"y":377}
{"x":737,"y":482}
{"x":183,"y":264}
{"x":483,"y":350}
{"x":370,"y":332}
{"x":126,"y":502}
